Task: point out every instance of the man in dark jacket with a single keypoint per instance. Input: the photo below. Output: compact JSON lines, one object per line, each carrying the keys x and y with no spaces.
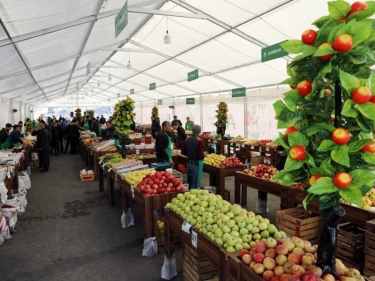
{"x":180,"y":135}
{"x":43,"y":140}
{"x":102,"y":120}
{"x":60,"y":137}
{"x":95,"y":127}
{"x":4,"y":135}
{"x":155,"y":127}
{"x":163,"y":144}
{"x":55,"y":140}
{"x":73,"y":134}
{"x":14,"y":136}
{"x":108,"y":133}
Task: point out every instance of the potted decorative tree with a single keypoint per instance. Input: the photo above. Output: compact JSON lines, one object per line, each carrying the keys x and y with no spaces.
{"x":29,"y":125}
{"x":90,"y":113}
{"x":222,"y":118}
{"x":78,"y":115}
{"x":155,"y":113}
{"x":329,"y":116}
{"x":123,"y":119}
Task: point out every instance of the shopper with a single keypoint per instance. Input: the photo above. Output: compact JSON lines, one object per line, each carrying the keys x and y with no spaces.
{"x":14,"y":136}
{"x":4,"y":136}
{"x":42,"y":142}
{"x":102,"y":120}
{"x":95,"y":127}
{"x":85,"y":123}
{"x":60,"y":137}
{"x":155,"y":126}
{"x":180,"y":135}
{"x":73,"y":136}
{"x":163,"y":144}
{"x":176,"y":121}
{"x":193,"y":148}
{"x":189,"y":124}
{"x":55,"y":140}
{"x":108,"y":133}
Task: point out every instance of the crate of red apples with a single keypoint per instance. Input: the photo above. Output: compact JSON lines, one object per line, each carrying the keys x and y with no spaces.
{"x":261,"y":171}
{"x":291,"y":259}
{"x":160,"y":183}
{"x":232,"y":161}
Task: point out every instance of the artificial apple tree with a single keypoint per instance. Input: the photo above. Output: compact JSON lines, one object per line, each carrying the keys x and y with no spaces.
{"x":222,"y":118}
{"x":329,"y":115}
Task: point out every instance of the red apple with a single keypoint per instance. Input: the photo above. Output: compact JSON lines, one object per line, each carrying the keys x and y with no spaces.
{"x":325,"y":57}
{"x":243,"y":252}
{"x":304,"y":88}
{"x":290,"y":130}
{"x":297,"y":152}
{"x":309,"y":36}
{"x":343,"y":43}
{"x":342,"y":179}
{"x":357,"y":6}
{"x":308,"y":276}
{"x":340,"y":136}
{"x":361,"y":95}
{"x":314,"y":178}
{"x":369,"y":147}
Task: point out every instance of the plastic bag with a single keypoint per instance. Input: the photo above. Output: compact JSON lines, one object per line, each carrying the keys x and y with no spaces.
{"x":261,"y":207}
{"x":26,"y":181}
{"x":3,"y":192}
{"x":168,"y":271}
{"x":150,"y":247}
{"x":127,"y":219}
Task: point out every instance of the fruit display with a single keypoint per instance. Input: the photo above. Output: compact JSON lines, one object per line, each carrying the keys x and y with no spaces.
{"x":214,"y":159}
{"x":158,"y":183}
{"x":29,"y":124}
{"x":229,"y":226}
{"x":141,"y":156}
{"x":232,"y":161}
{"x":90,"y":113}
{"x":78,"y":115}
{"x":291,"y":259}
{"x":136,"y":177}
{"x":237,"y":138}
{"x":181,"y":168}
{"x":368,"y":200}
{"x":221,"y":115}
{"x":261,"y":171}
{"x":109,"y":156}
{"x":188,"y":132}
{"x":205,"y":136}
{"x":160,"y":224}
{"x":264,"y":142}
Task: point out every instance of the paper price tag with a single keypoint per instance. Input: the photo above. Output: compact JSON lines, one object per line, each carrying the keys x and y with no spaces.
{"x":267,"y":149}
{"x":100,"y":162}
{"x":103,"y":165}
{"x":252,"y":147}
{"x":231,"y":143}
{"x":238,"y":145}
{"x":186,"y":227}
{"x":194,"y":239}
{"x":8,"y":174}
{"x":243,"y":145}
{"x":209,"y":140}
{"x":132,"y":190}
{"x":137,"y":151}
{"x":109,"y":170}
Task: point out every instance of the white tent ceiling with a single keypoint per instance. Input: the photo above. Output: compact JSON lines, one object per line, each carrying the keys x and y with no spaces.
{"x":45,"y":46}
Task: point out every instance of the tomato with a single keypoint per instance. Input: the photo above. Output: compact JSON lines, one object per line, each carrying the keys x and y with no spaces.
{"x":297,"y":152}
{"x":290,"y":130}
{"x":325,"y":57}
{"x":314,"y":178}
{"x":309,"y":36}
{"x":361,"y":95}
{"x":369,"y":147}
{"x":342,"y":179}
{"x":340,"y":136}
{"x":304,"y":88}
{"x":343,"y":43}
{"x":357,"y":6}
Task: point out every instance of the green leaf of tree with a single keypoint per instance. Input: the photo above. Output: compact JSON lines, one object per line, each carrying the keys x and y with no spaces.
{"x":329,"y":200}
{"x":368,"y":157}
{"x":327,"y":168}
{"x":327,"y":68}
{"x":363,"y":72}
{"x":352,"y":195}
{"x":291,"y":165}
{"x":360,"y":15}
{"x":282,"y":141}
{"x":361,"y":177}
{"x":322,"y":186}
{"x":365,"y":124}
{"x":279,"y":106}
{"x":367,"y":110}
{"x":324,"y":51}
{"x":310,"y":160}
{"x":293,"y":46}
{"x":358,"y":57}
{"x":358,"y":145}
{"x":348,"y":109}
{"x":338,"y":9}
{"x":297,"y":138}
{"x":360,"y":31}
{"x":370,"y":83}
{"x":309,"y":198}
{"x":340,"y":154}
{"x":291,"y":81}
{"x":326,"y":145}
{"x":348,"y":82}
{"x":364,"y":189}
{"x":322,"y":21}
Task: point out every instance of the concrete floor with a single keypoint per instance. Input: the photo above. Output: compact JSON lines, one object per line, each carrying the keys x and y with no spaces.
{"x":69,"y":232}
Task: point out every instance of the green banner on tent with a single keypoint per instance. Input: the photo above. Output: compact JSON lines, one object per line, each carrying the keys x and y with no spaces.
{"x":190,"y":100}
{"x":239,"y":92}
{"x":193,"y":75}
{"x":88,"y":68}
{"x":273,"y":52}
{"x":152,"y":86}
{"x":160,"y":102}
{"x":121,"y":20}
{"x":132,"y":91}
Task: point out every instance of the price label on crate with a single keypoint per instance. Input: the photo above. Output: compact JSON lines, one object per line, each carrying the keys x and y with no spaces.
{"x":238,"y":145}
{"x":137,"y":151}
{"x":209,"y":140}
{"x":267,"y":149}
{"x":231,"y":143}
{"x":252,"y":147}
{"x":103,"y":165}
{"x":260,"y":149}
{"x":194,"y":239}
{"x":132,"y":190}
{"x":109,"y":170}
{"x":243,"y":145}
{"x":186,"y":227}
{"x":100,"y":162}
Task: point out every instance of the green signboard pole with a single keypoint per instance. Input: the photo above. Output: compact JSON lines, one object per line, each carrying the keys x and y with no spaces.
{"x":121,"y":19}
{"x":239,"y":92}
{"x":190,"y":100}
{"x":152,"y":86}
{"x":273,"y":52}
{"x":193,"y":75}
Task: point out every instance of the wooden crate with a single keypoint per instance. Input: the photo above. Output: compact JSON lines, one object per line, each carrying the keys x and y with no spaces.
{"x":369,"y":267}
{"x":350,"y":243}
{"x":196,"y":267}
{"x":87,"y":177}
{"x":299,"y":222}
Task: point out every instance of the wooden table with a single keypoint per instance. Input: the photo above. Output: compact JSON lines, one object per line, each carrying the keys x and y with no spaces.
{"x":243,"y":181}
{"x":217,"y":176}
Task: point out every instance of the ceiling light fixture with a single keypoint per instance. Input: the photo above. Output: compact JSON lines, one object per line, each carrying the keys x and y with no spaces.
{"x":167,"y":37}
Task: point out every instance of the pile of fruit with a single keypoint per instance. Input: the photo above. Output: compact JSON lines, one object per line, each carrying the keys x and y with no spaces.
{"x":140,"y":156}
{"x":261,"y":171}
{"x":160,"y":182}
{"x":229,"y":226}
{"x":368,"y":200}
{"x":109,"y":156}
{"x":232,"y":161}
{"x":188,"y":132}
{"x":205,"y":136}
{"x":160,"y":224}
{"x":237,"y":138}
{"x":214,"y":159}
{"x":28,"y":142}
{"x":291,"y":259}
{"x":112,"y":158}
{"x":181,"y":168}
{"x":136,"y":177}
{"x":259,"y":142}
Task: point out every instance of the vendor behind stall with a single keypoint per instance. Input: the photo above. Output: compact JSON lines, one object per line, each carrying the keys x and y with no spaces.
{"x":4,"y":136}
{"x":163,"y":144}
{"x":15,"y":136}
{"x":108,"y":134}
{"x":180,"y":134}
{"x":193,"y":148}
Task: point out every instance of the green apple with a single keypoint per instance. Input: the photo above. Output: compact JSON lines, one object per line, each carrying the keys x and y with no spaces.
{"x":204,"y":204}
{"x":213,"y":237}
{"x":231,"y":240}
{"x":271,"y":228}
{"x":198,"y":225}
{"x":266,"y":221}
{"x":194,"y":214}
{"x":243,"y":231}
{"x":225,"y":218}
{"x":211,"y":209}
{"x":258,"y":217}
{"x":246,"y":245}
{"x":252,"y":243}
{"x":246,"y":238}
{"x":236,"y":209}
{"x":226,"y":229}
{"x":193,"y":221}
{"x":249,"y":220}
{"x":218,"y":232}
{"x":208,"y":234}
{"x":230,"y":214}
{"x":255,"y":230}
{"x":225,"y":237}
{"x":238,"y":247}
{"x":262,"y":226}
{"x":230,"y":249}
{"x":212,"y":204}
{"x":231,"y":223}
{"x":219,"y":241}
{"x":214,"y":227}
{"x":277,"y":235}
{"x":256,"y":237}
{"x":235,"y":234}
{"x":194,"y":191}
{"x":239,"y":240}
{"x":249,"y":227}
{"x":265,"y":234}
{"x":225,"y":209}
{"x":235,"y":228}
{"x":255,"y":223}
{"x":184,"y":216}
{"x":282,"y":233}
{"x":241,"y":224}
{"x":209,"y":227}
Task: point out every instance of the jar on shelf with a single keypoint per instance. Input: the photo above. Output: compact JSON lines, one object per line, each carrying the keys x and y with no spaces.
{"x":148,"y":138}
{"x":138,"y":139}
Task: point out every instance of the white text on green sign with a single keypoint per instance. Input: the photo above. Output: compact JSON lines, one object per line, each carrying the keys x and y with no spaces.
{"x":239,"y":92}
{"x":160,"y":102}
{"x":273,"y":52}
{"x":121,"y":19}
{"x":190,"y":100}
{"x":152,"y":86}
{"x":132,"y":91}
{"x":193,"y":75}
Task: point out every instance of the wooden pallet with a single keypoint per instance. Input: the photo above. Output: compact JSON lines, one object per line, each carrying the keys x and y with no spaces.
{"x":196,"y":267}
{"x":369,"y":266}
{"x":299,"y":222}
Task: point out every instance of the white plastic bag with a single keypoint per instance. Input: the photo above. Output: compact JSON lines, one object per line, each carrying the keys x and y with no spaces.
{"x":25,"y":180}
{"x":168,"y":271}
{"x":150,"y":247}
{"x":3,"y":192}
{"x":127,"y":219}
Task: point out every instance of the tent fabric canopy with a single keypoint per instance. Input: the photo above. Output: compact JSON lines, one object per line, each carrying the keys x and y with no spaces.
{"x":45,"y":47}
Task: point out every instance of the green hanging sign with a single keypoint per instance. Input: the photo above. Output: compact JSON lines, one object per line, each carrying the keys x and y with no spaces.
{"x":160,"y":102}
{"x":121,"y":20}
{"x":193,"y":75}
{"x":190,"y":100}
{"x":132,"y":91}
{"x":273,"y":52}
{"x":88,"y":68}
{"x":239,"y":92}
{"x":152,"y":86}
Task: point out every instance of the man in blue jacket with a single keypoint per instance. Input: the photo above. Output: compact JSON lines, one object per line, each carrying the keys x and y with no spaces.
{"x":15,"y":136}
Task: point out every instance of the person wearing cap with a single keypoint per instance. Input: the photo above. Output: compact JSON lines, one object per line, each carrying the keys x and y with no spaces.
{"x":164,"y":144}
{"x":176,"y":121}
{"x":193,"y":148}
{"x":4,"y":136}
{"x":14,"y":136}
